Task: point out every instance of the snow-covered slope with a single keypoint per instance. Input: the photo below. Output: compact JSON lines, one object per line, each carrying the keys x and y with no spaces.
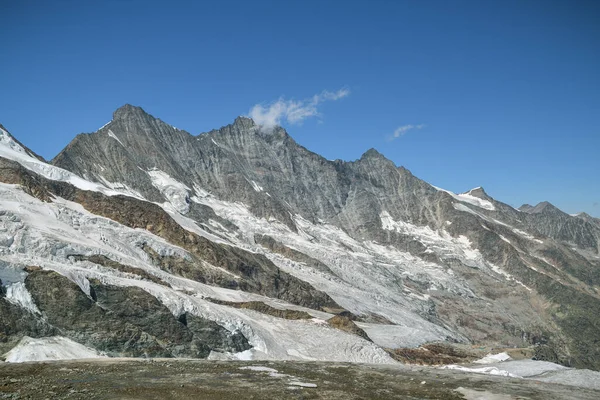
{"x":12,"y":150}
{"x":407,"y":262}
{"x":45,"y":234}
{"x":49,"y":348}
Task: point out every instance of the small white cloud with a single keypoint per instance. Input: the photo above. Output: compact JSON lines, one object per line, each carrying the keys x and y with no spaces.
{"x":402,"y":130}
{"x":292,"y":111}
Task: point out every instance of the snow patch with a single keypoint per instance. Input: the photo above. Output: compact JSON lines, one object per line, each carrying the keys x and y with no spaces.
{"x":482,"y":370}
{"x":302,"y":384}
{"x":112,"y":135}
{"x":527,"y":235}
{"x":469,"y":198}
{"x":503,"y":238}
{"x":120,"y":188}
{"x":439,"y":241}
{"x":256,"y":186}
{"x":493,"y":358}
{"x":273,"y":373}
{"x":49,"y":348}
{"x":18,"y":294}
{"x":507,"y":276}
{"x":476,"y":201}
{"x":176,"y":193}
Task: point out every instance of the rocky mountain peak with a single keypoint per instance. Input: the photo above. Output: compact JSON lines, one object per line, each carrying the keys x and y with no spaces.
{"x":374,"y":159}
{"x":543,"y":207}
{"x":525,"y":208}
{"x":372,"y":153}
{"x":244,"y":122}
{"x":129,"y":111}
{"x":479,"y":192}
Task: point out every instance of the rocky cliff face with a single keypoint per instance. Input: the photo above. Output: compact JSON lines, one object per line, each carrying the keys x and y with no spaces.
{"x":580,"y":230}
{"x":255,"y":214}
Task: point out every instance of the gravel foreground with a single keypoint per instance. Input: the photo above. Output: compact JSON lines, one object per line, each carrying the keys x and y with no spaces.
{"x":201,"y":379}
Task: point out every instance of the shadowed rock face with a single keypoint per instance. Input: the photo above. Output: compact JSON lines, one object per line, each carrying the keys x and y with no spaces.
{"x":17,"y":322}
{"x":125,"y":321}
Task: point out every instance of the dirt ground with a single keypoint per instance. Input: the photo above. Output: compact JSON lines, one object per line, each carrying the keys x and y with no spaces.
{"x":201,"y":379}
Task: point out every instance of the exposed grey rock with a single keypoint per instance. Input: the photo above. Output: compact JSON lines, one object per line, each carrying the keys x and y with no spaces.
{"x":544,"y":270}
{"x":125,"y":321}
{"x":277,"y":178}
{"x":552,"y":222}
{"x":17,"y":322}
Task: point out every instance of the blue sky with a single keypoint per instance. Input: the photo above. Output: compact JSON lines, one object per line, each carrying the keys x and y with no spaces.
{"x":499,"y":94}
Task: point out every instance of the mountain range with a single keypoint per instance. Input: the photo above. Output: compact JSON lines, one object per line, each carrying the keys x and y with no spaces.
{"x":143,"y":240}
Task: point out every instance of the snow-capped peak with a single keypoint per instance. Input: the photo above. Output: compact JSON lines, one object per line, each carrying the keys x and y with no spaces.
{"x":11,"y":149}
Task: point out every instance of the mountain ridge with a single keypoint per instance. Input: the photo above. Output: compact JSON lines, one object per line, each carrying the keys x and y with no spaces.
{"x":239,"y":204}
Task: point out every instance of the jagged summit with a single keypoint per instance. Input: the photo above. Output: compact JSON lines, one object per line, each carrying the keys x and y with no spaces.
{"x":479,"y":192}
{"x":242,"y":120}
{"x":128,"y":111}
{"x":372,"y":153}
{"x":542,"y":207}
{"x":243,"y":126}
{"x":525,"y":208}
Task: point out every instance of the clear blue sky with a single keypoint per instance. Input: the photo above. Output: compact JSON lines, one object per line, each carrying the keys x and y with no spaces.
{"x":500,"y":94}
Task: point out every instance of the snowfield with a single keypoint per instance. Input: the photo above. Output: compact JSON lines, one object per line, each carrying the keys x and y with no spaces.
{"x":363,"y":280}
{"x":52,"y":231}
{"x":535,"y":370}
{"x":49,"y":348}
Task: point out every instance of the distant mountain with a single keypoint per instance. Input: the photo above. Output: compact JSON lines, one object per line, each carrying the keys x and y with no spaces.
{"x":230,"y":233}
{"x":550,"y":221}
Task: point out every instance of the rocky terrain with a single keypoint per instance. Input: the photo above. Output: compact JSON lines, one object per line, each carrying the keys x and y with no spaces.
{"x":184,"y":379}
{"x":143,"y":240}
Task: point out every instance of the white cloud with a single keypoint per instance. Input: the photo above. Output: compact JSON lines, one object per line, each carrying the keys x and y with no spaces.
{"x":402,"y":130}
{"x":292,"y":111}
